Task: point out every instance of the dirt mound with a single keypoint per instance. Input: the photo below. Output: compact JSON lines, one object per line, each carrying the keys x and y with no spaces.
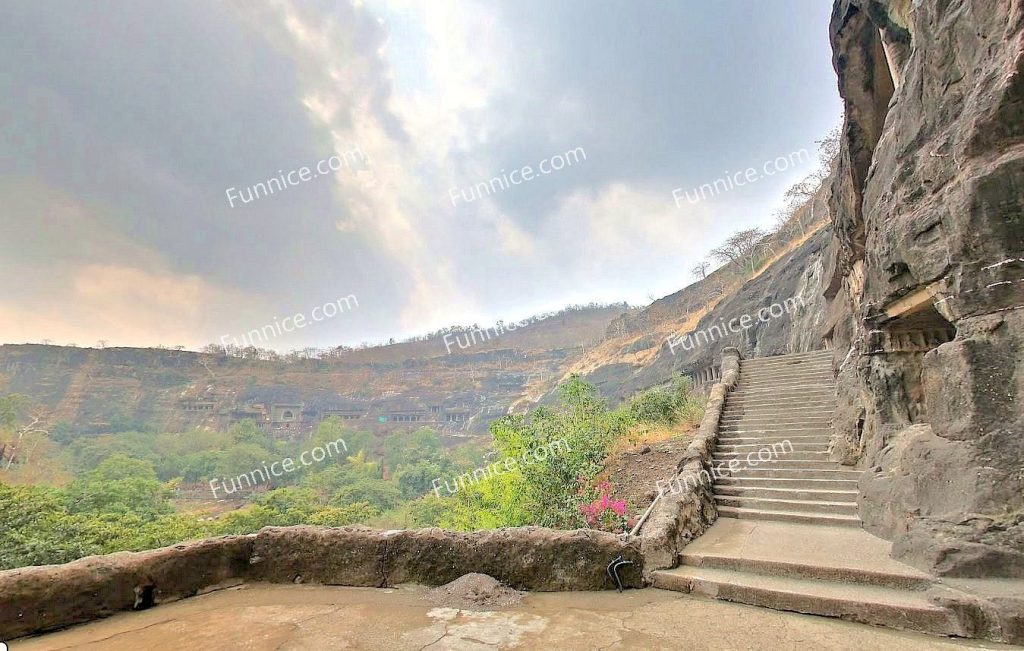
{"x":475,"y":592}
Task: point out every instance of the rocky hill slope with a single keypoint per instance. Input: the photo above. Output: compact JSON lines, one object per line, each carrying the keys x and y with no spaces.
{"x":406,"y":384}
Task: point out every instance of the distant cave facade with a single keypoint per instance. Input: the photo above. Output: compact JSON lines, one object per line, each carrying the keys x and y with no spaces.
{"x":927,"y":277}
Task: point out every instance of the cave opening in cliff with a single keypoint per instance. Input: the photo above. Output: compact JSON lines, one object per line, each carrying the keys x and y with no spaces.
{"x":916,"y":329}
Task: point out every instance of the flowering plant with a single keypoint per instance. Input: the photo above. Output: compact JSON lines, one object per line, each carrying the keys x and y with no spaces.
{"x":601,"y":510}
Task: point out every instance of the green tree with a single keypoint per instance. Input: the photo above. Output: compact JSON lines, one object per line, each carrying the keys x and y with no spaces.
{"x":552,"y":448}
{"x":408,"y":447}
{"x":332,"y":516}
{"x":381,"y":494}
{"x":248,"y":432}
{"x":120,"y":485}
{"x":415,"y":479}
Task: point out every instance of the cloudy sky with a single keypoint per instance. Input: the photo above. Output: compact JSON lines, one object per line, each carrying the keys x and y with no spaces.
{"x":123,"y":124}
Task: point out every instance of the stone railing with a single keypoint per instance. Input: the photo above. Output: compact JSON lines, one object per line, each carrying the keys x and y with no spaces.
{"x":679,"y":516}
{"x":43,"y":598}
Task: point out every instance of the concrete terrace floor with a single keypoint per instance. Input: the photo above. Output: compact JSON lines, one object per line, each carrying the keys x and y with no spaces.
{"x":266,"y":617}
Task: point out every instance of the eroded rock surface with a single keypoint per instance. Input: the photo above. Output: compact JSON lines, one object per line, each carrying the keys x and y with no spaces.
{"x":928,"y":276}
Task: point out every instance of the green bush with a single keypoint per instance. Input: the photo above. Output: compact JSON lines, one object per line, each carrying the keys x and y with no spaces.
{"x":670,"y":404}
{"x":575,"y":438}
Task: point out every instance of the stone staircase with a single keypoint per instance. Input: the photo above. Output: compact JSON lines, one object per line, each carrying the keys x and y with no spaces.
{"x":778,"y":399}
{"x":788,"y":535}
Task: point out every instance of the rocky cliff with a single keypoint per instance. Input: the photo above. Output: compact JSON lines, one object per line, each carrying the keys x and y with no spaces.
{"x":458,"y":388}
{"x":926,"y":278}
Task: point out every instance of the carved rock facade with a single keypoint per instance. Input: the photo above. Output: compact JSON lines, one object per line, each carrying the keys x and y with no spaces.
{"x":927,"y":280}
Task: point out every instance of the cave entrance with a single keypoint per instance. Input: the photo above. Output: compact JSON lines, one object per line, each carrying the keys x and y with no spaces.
{"x":913,"y":327}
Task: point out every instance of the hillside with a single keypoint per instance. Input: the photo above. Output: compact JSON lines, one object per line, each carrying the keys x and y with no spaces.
{"x":635,"y":353}
{"x":417,"y":382}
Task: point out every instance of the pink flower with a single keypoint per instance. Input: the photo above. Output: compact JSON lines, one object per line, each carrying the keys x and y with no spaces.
{"x":619,"y":507}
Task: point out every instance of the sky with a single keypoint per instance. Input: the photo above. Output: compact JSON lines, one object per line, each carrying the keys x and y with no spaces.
{"x":131,"y":134}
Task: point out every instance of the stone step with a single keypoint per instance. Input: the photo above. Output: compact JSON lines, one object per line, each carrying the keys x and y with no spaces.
{"x":797,"y":480}
{"x":817,"y":370}
{"x":804,"y":494}
{"x":790,"y":410}
{"x":773,"y":422}
{"x":790,"y":363}
{"x":784,"y":464}
{"x":759,"y":472}
{"x":796,"y":438}
{"x":802,"y":551}
{"x":787,"y":369}
{"x":866,"y":604}
{"x":795,"y":456}
{"x":824,"y":395}
{"x":785,"y":429}
{"x":835,"y":520}
{"x":728,"y":438}
{"x":775,"y":434}
{"x":796,"y":372}
{"x":818,"y":385}
{"x":895,"y":580}
{"x":816,"y":507}
{"x":784,"y":380}
{"x":789,"y":357}
{"x":766,"y":470}
{"x":824,"y":374}
{"x":824,"y":381}
{"x":777,"y":412}
{"x":777,"y":429}
{"x":781,"y":433}
{"x":782,"y":413}
{"x":803,"y":400}
{"x":810,"y":398}
{"x":796,"y":388}
{"x":780,"y":450}
{"x":797,"y":399}
{"x":805,"y":366}
{"x":732,"y":416}
{"x":806,"y":406}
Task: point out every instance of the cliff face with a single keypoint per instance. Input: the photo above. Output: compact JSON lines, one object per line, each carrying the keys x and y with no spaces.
{"x":926,"y":283}
{"x":408,"y":384}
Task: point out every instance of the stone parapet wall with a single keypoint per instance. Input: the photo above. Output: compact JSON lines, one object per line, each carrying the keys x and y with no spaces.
{"x":44,"y":598}
{"x":48,"y":597}
{"x":678,"y":517}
